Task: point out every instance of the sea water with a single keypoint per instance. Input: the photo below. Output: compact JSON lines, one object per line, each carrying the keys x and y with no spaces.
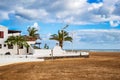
{"x":94,"y":50}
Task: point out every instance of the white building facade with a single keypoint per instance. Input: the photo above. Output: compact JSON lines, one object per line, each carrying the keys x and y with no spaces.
{"x":12,"y":49}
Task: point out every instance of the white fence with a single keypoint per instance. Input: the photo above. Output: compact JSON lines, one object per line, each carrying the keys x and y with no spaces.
{"x":42,"y":52}
{"x":58,"y":53}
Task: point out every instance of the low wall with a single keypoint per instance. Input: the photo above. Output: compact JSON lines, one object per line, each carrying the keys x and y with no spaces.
{"x":57,"y":52}
{"x":49,"y":52}
{"x":42,"y":52}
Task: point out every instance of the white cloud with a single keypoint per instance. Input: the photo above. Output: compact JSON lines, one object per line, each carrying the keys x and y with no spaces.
{"x":4,"y":15}
{"x":31,"y":14}
{"x":114,"y":23}
{"x":45,"y":37}
{"x":95,"y":39}
{"x":35,"y":25}
{"x":69,"y":11}
{"x":98,"y":36}
{"x":95,"y":6}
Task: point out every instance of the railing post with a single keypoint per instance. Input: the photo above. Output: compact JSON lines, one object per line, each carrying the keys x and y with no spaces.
{"x":52,"y":53}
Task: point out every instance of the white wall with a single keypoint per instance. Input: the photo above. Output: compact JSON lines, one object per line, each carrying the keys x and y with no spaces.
{"x":5,"y":30}
{"x":13,"y":34}
{"x":57,"y":51}
{"x":42,"y":52}
{"x":23,"y":51}
{"x":31,"y":49}
{"x":13,"y":51}
{"x":5,"y":49}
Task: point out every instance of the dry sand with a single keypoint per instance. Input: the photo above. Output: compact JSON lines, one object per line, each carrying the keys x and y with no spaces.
{"x":99,"y":66}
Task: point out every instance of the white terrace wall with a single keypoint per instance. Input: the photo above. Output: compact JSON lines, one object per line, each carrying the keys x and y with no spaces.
{"x":31,"y":49}
{"x":57,"y":51}
{"x":13,"y":51}
{"x":42,"y":52}
{"x":14,"y":34}
{"x":4,"y":47}
{"x":5,"y":32}
{"x":23,"y":51}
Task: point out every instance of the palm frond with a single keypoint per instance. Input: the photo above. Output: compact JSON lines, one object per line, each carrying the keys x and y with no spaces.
{"x":16,"y":40}
{"x":32,"y":31}
{"x":61,"y":36}
{"x":68,"y":39}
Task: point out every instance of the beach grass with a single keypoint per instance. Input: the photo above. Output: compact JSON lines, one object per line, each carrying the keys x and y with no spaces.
{"x":99,"y":66}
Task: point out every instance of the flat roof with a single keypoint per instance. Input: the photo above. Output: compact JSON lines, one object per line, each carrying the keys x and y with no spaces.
{"x":14,"y":31}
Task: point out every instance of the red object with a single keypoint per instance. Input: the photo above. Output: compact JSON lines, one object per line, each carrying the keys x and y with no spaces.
{"x":1,"y":34}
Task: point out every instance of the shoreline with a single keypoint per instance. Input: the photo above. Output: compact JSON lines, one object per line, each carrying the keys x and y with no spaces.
{"x":93,"y":50}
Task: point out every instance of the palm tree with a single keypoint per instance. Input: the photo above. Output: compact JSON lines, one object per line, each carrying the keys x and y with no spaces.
{"x":17,"y":40}
{"x":32,"y":32}
{"x":61,"y":37}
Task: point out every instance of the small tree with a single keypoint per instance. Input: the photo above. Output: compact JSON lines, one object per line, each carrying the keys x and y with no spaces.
{"x":46,"y":46}
{"x":17,"y":40}
{"x":32,"y":32}
{"x":61,"y":36}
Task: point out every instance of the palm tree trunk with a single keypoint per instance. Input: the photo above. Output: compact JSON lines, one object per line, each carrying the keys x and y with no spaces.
{"x":61,"y":44}
{"x":27,"y":50}
{"x":17,"y":50}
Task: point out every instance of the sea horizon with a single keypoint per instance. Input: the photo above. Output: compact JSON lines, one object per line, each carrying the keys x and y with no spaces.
{"x":94,"y":50}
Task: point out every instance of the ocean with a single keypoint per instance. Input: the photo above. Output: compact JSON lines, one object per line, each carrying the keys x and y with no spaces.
{"x":94,"y":50}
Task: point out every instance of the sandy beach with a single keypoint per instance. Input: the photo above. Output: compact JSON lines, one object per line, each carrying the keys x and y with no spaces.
{"x":99,"y":66}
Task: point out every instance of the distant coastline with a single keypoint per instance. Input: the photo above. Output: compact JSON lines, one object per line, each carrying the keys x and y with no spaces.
{"x":94,"y":50}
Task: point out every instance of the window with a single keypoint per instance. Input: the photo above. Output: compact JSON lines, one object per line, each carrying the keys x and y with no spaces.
{"x":10,"y":46}
{"x":0,"y":46}
{"x":4,"y":45}
{"x":1,"y":34}
{"x":21,"y":47}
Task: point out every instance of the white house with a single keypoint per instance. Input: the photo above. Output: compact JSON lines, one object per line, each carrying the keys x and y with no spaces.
{"x":12,"y":49}
{"x":4,"y":48}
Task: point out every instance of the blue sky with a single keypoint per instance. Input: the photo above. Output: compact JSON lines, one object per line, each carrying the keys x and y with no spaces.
{"x":94,"y":24}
